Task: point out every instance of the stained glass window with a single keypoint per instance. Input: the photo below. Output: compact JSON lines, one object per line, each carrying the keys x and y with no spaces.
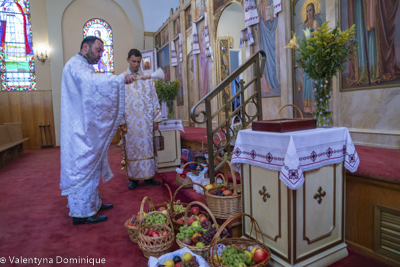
{"x":100,"y":28}
{"x":17,"y":68}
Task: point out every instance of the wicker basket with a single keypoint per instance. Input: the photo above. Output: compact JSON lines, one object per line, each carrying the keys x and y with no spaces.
{"x":184,"y":180}
{"x":237,"y":241}
{"x":202,"y":251}
{"x":156,"y":246}
{"x":174,"y":215}
{"x":132,"y":229}
{"x":226,"y":206}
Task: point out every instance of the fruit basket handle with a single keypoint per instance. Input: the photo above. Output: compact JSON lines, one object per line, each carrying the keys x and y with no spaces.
{"x":289,"y":105}
{"x":179,"y":188}
{"x":151,"y":207}
{"x":233,"y":178}
{"x":223,"y":179}
{"x":204,"y":207}
{"x":166,"y":186}
{"x":216,"y":238}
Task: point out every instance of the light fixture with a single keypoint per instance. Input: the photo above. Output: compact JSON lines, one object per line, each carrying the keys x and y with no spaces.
{"x":42,"y":55}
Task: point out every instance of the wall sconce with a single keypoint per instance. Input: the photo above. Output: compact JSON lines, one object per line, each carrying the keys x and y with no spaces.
{"x":42,"y":56}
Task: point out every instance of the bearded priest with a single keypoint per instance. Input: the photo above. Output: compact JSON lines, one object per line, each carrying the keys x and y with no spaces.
{"x":142,"y":115}
{"x":92,"y":105}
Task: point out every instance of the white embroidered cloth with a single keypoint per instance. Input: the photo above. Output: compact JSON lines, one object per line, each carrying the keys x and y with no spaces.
{"x":295,"y":152}
{"x":180,"y":47}
{"x":277,"y":7}
{"x":171,"y":125}
{"x":174,"y":61}
{"x":250,"y":13}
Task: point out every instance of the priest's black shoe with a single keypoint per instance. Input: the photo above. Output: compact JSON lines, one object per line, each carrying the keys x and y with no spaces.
{"x":89,"y":220}
{"x":106,"y":207}
{"x":132,"y":184}
{"x":152,"y":181}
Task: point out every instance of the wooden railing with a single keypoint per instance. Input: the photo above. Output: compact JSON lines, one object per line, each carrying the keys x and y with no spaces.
{"x":258,"y":62}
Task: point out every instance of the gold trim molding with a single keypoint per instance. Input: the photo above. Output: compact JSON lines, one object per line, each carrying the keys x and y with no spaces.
{"x":218,"y":13}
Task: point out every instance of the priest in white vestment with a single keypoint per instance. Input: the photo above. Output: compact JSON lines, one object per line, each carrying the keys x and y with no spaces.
{"x":142,"y":115}
{"x":92,"y":106}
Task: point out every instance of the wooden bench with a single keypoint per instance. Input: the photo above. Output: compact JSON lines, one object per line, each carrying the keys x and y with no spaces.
{"x":11,"y":141}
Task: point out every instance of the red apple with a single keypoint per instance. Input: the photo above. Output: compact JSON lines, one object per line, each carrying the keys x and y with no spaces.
{"x":191,"y":220}
{"x":178,"y":264}
{"x":165,"y":233}
{"x":259,"y":255}
{"x":149,"y":233}
{"x":202,"y":218}
{"x":155,"y":234}
{"x":180,"y":221}
{"x":194,"y":210}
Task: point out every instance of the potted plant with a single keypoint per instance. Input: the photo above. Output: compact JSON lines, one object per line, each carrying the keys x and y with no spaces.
{"x":167,"y":92}
{"x":322,"y":54}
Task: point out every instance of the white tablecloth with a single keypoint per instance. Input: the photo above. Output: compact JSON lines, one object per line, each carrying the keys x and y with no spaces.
{"x":293,"y":153}
{"x":171,"y":125}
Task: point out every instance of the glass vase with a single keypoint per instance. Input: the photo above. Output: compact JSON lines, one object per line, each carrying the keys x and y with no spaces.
{"x":323,"y":94}
{"x":170,"y":105}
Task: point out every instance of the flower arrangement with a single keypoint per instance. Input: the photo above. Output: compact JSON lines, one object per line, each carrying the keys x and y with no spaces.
{"x":168,"y":92}
{"x":322,"y":54}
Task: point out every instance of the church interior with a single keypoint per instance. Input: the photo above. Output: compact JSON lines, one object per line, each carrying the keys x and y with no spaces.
{"x":233,"y":68}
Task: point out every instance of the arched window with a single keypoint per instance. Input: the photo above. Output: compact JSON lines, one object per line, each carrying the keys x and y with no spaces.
{"x":17,"y":68}
{"x":101,"y":29}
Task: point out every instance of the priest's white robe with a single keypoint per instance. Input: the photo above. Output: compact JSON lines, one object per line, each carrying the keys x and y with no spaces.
{"x":92,"y":107}
{"x":142,"y":108}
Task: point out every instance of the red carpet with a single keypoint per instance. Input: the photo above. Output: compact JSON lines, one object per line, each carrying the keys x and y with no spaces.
{"x":35,"y":223}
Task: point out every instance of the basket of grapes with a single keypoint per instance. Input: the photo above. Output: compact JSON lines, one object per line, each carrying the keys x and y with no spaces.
{"x":178,"y":216}
{"x":155,"y":234}
{"x":238,"y":252}
{"x":225,"y":201}
{"x":132,"y":224}
{"x":197,"y":236}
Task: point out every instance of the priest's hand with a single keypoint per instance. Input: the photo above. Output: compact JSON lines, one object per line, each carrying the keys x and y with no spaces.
{"x":155,"y":126}
{"x":129,"y":78}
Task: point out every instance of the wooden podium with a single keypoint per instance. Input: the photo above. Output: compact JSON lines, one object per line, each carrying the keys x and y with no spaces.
{"x":303,"y":227}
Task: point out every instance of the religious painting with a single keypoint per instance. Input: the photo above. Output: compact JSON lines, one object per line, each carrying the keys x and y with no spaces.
{"x":177,"y":26}
{"x":101,"y":29}
{"x":157,"y":40}
{"x":188,"y":16}
{"x":205,"y":68}
{"x":179,"y":76}
{"x":163,"y":61}
{"x":146,"y":63}
{"x":149,"y":61}
{"x":219,"y":3}
{"x":376,"y":62}
{"x":201,"y":8}
{"x":266,"y":39}
{"x":164,"y":36}
{"x":308,"y":14}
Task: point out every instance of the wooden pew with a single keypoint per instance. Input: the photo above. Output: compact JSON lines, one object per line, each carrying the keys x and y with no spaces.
{"x":11,"y":141}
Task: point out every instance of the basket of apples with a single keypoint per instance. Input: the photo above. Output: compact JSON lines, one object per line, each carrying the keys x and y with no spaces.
{"x":238,"y":252}
{"x":226,"y":200}
{"x":196,"y":235}
{"x":155,"y":234}
{"x":178,"y":210}
{"x":132,"y":224}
